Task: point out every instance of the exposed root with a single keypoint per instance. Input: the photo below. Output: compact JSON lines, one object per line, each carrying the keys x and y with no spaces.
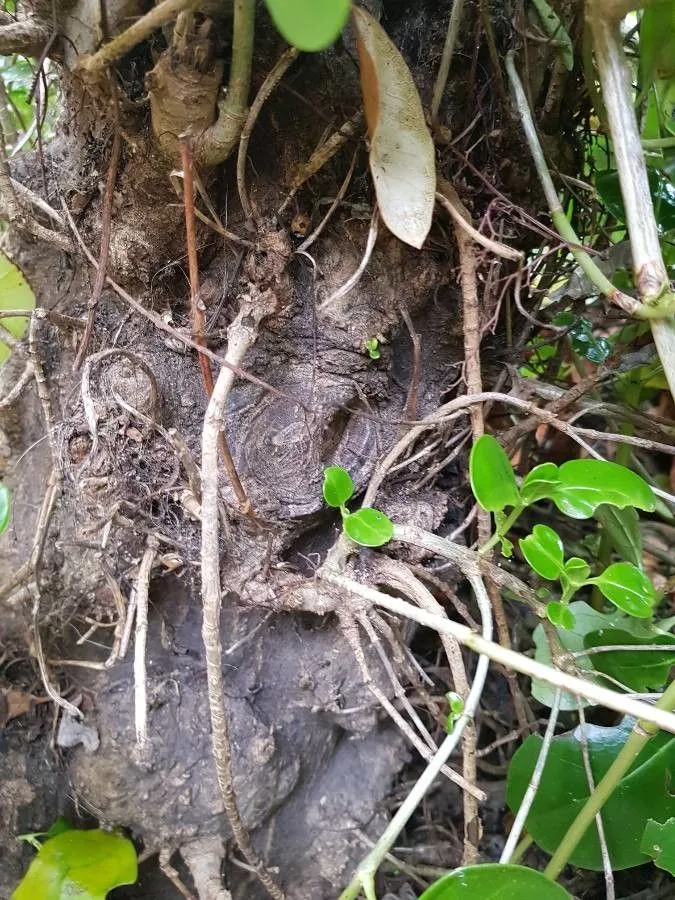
{"x":140,"y":679}
{"x":242,"y":335}
{"x":339,"y":197}
{"x":354,"y":279}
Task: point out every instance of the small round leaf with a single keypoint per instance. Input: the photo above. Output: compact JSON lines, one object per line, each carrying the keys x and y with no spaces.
{"x":368,"y":527}
{"x":560,"y":615}
{"x":309,"y":24}
{"x":628,"y":589}
{"x":338,"y":486}
{"x":577,"y":571}
{"x":544,"y":551}
{"x":492,"y":480}
{"x":539,"y":483}
{"x":5,"y":507}
{"x":493,"y":881}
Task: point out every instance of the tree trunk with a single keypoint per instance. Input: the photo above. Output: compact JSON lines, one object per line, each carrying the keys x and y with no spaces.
{"x":313,"y":755}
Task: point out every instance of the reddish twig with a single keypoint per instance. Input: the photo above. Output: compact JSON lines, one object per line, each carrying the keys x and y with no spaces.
{"x":197,"y":312}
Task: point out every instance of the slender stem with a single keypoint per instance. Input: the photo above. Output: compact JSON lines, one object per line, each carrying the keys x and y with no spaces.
{"x":521,"y":849}
{"x":560,"y":220}
{"x":217,"y":142}
{"x":596,"y":693}
{"x":141,"y":29}
{"x":511,"y":848}
{"x":665,"y":143}
{"x":242,"y":335}
{"x":651,"y":276}
{"x":365,"y":875}
{"x":508,"y":523}
{"x":446,"y":58}
{"x":642,"y":732}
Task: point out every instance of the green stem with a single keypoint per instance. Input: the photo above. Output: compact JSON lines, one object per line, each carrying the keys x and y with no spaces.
{"x":508,"y":523}
{"x":665,"y":143}
{"x":218,"y":141}
{"x":521,"y":849}
{"x":560,"y":220}
{"x":642,"y":732}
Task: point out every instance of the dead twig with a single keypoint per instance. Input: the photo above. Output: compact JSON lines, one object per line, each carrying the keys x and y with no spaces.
{"x":140,"y":676}
{"x":325,"y":152}
{"x":242,"y":335}
{"x":309,"y":240}
{"x":197,"y":313}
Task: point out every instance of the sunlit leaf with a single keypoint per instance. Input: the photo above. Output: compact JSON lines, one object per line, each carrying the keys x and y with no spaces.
{"x":658,"y":841}
{"x":309,"y":24}
{"x":585,"y":484}
{"x":82,"y":864}
{"x":15,"y":293}
{"x":640,"y":795}
{"x":492,"y":480}
{"x":576,"y":571}
{"x":544,"y":551}
{"x":338,"y":486}
{"x":402,"y":156}
{"x":628,"y":589}
{"x":560,"y":615}
{"x":493,"y":881}
{"x":539,"y":482}
{"x":640,"y":670}
{"x":368,"y":527}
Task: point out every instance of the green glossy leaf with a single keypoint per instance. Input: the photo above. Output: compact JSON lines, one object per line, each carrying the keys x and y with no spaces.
{"x":628,"y":589}
{"x":544,"y":552}
{"x":640,"y":670}
{"x":82,"y":864}
{"x":492,"y":480}
{"x":657,"y":42}
{"x":5,"y":507}
{"x":539,"y":483}
{"x":338,"y":486}
{"x":640,"y":795}
{"x":60,"y":825}
{"x":661,"y":188}
{"x":492,"y":881}
{"x":587,"y":619}
{"x":560,"y":615}
{"x":15,"y":293}
{"x":577,"y":571}
{"x":585,"y":484}
{"x":658,"y":841}
{"x":368,"y":527}
{"x":309,"y":24}
{"x":623,"y":529}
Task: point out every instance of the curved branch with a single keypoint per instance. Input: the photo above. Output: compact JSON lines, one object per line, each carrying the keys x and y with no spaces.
{"x":26,"y":36}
